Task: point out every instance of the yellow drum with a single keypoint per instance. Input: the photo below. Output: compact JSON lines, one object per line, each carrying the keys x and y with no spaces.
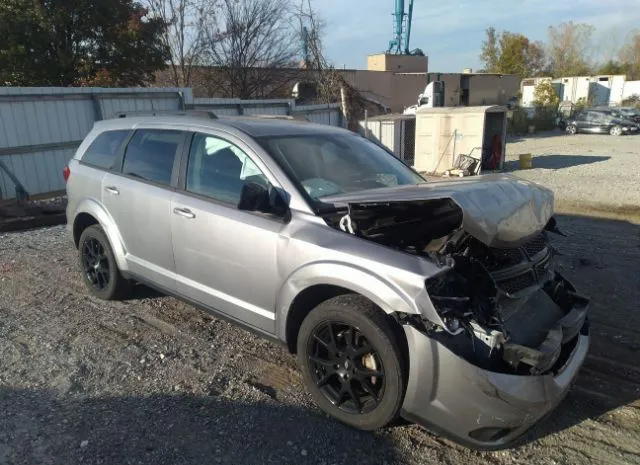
{"x":526,"y":161}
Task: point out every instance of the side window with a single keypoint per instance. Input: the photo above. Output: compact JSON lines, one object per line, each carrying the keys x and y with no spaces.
{"x":103,"y":151}
{"x":218,"y":169}
{"x":151,"y":154}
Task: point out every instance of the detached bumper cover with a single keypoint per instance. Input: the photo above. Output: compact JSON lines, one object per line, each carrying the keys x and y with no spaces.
{"x":451,"y":396}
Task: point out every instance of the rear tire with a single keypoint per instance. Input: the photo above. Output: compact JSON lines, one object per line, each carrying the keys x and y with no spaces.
{"x":99,"y":268}
{"x":352,"y":362}
{"x":571,"y":129}
{"x":616,"y":131}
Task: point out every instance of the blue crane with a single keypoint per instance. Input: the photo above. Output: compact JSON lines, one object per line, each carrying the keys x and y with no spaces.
{"x":399,"y":45}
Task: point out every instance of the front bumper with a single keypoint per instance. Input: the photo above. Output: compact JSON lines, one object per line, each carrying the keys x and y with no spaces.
{"x":475,"y":407}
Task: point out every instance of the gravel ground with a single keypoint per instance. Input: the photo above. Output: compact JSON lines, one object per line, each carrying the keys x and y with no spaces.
{"x":152,"y":380}
{"x":588,"y":169}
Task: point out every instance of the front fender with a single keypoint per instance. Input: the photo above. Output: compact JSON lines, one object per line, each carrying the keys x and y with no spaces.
{"x":383,"y":293}
{"x":106,"y":221}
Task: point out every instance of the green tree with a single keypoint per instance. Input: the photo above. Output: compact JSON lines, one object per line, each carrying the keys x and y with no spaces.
{"x":512,"y":53}
{"x":78,"y":42}
{"x":520,"y":56}
{"x":568,"y":49}
{"x":544,"y":94}
{"x":613,"y":67}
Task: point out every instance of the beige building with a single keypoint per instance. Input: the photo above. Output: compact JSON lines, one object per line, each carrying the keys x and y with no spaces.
{"x":398,"y":63}
{"x":400,"y":90}
{"x":473,"y":89}
{"x":394,"y":81}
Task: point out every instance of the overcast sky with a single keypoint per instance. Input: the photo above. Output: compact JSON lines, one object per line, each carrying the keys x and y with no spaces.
{"x":450,"y":32}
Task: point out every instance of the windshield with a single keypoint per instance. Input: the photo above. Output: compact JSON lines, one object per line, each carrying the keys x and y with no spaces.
{"x":328,"y":164}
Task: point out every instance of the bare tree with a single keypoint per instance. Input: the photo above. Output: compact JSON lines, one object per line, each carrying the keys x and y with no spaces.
{"x":569,"y":49}
{"x":252,"y":48}
{"x":185,"y":22}
{"x":630,"y":55}
{"x":490,"y":51}
{"x":329,"y":84}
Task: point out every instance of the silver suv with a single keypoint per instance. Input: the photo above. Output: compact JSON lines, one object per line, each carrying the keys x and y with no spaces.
{"x":437,"y":302}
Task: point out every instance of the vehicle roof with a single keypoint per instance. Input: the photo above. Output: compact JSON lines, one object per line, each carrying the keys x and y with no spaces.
{"x":253,"y":126}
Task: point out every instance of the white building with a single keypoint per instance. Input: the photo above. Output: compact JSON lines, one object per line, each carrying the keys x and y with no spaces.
{"x":596,"y":90}
{"x":527,"y":89}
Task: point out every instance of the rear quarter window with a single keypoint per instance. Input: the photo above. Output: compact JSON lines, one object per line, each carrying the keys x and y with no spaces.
{"x":104,"y":150}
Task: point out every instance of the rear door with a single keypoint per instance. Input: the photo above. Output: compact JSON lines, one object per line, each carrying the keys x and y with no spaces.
{"x":139,"y":199}
{"x":601,"y":122}
{"x":89,"y":171}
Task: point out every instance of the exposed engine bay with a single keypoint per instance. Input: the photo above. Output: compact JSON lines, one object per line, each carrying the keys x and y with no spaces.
{"x":503,"y":308}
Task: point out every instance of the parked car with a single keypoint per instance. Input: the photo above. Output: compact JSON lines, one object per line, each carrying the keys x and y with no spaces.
{"x":600,"y":122}
{"x":630,"y":113}
{"x":437,"y":302}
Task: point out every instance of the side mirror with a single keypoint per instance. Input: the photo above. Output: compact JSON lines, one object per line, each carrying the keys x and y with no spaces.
{"x":257,"y":197}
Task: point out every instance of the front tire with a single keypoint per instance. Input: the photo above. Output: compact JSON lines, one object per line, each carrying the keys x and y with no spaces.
{"x":571,"y":129}
{"x":99,"y":268}
{"x":616,"y":131}
{"x":352,"y":362}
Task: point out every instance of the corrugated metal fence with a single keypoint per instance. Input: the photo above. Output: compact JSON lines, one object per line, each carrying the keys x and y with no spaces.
{"x":40,"y":128}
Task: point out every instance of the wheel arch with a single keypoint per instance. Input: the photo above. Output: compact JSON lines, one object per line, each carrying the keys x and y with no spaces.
{"x":310,"y":286}
{"x":88,"y":213}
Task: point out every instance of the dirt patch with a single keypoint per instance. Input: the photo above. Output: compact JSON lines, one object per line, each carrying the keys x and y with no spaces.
{"x":34,"y":214}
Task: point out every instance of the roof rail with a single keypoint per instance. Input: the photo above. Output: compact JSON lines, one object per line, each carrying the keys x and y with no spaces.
{"x":287,"y":117}
{"x":195,"y":113}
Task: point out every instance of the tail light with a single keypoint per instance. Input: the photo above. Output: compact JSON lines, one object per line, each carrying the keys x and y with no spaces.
{"x":66,"y":172}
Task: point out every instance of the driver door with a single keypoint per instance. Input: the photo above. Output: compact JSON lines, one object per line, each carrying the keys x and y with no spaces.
{"x":226,"y":259}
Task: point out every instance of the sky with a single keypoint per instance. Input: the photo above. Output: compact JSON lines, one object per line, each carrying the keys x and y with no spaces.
{"x":451,"y":32}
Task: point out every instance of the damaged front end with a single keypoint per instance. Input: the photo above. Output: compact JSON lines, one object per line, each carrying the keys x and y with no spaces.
{"x":501,"y":304}
{"x":506,"y":310}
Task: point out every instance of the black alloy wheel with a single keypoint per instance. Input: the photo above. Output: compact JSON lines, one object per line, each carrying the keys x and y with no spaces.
{"x":354,"y":361}
{"x":346,"y":367}
{"x":99,"y":267}
{"x":96,"y":264}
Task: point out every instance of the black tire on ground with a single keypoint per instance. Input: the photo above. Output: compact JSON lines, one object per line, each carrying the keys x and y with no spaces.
{"x":116,"y":286}
{"x":571,"y":129}
{"x":375,"y":331}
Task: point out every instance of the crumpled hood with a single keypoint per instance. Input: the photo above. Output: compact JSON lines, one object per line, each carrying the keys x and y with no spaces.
{"x":498,"y":209}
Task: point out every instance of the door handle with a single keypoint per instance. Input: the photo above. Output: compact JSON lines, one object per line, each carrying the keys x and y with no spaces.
{"x":184,"y":212}
{"x":112,"y":190}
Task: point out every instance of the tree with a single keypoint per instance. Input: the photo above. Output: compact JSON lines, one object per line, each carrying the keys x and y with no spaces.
{"x":630,"y":56}
{"x":183,"y":37}
{"x":512,"y":53}
{"x":76,"y":42}
{"x":568,"y":49}
{"x":613,"y":67}
{"x":544,"y":94}
{"x":490,"y":51}
{"x":520,"y":56}
{"x":251,"y":46}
